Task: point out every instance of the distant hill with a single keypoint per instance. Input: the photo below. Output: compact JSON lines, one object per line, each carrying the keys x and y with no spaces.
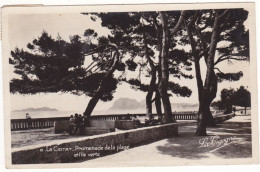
{"x":132,"y":104}
{"x":36,"y":109}
{"x":185,"y":105}
{"x":126,"y":103}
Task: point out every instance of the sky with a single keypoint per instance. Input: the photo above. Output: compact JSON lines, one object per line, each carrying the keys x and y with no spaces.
{"x":24,"y":28}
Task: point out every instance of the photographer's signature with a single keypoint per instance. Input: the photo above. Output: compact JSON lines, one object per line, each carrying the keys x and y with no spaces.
{"x":216,"y":142}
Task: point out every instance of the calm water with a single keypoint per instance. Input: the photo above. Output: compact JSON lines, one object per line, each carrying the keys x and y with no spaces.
{"x":49,"y":114}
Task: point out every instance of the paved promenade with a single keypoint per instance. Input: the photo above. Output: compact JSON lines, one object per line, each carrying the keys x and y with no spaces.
{"x":230,"y":140}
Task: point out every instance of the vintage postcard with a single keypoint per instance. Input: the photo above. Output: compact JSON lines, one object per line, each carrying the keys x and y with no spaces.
{"x":130,"y":85}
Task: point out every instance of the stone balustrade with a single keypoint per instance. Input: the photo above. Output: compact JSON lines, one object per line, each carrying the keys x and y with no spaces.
{"x":22,"y":124}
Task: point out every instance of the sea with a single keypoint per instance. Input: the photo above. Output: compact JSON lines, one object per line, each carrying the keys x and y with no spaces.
{"x":53,"y":114}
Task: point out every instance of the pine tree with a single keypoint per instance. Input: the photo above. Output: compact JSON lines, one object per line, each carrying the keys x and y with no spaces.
{"x":140,"y":34}
{"x":54,"y":65}
{"x":206,"y":29}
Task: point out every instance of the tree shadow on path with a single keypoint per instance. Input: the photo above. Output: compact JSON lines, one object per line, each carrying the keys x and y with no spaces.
{"x":231,"y":139}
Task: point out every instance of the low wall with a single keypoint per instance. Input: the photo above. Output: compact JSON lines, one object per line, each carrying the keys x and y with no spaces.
{"x":102,"y":123}
{"x":220,"y":119}
{"x":84,"y":148}
{"x":22,"y":124}
{"x":90,"y":131}
{"x":61,"y":126}
{"x":125,"y":124}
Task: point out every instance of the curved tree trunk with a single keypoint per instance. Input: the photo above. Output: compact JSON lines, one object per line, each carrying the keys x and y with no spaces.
{"x":149,"y":112}
{"x":106,"y":78}
{"x":93,"y":102}
{"x":158,"y":97}
{"x":150,"y":95}
{"x":158,"y":101}
{"x":210,"y":86}
{"x":207,"y":92}
{"x":152,"y":85}
{"x":163,"y":85}
{"x":158,"y":105}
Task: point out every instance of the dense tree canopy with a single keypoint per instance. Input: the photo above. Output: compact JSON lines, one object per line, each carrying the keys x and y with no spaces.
{"x":54,"y":65}
{"x":242,"y":97}
{"x":140,"y":35}
{"x":153,"y":44}
{"x":128,"y":31}
{"x":229,"y":97}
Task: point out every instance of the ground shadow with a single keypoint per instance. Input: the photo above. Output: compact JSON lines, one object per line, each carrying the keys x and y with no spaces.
{"x":232,"y":140}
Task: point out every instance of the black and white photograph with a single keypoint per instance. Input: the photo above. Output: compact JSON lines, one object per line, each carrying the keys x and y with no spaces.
{"x":130,"y":85}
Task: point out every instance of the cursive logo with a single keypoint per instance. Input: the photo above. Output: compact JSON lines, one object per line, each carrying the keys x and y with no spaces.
{"x":216,"y":142}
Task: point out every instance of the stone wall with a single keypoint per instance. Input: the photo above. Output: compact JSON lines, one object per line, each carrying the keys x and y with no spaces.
{"x":223,"y":118}
{"x":104,"y":125}
{"x":84,"y":148}
{"x":125,"y":124}
{"x":61,"y":126}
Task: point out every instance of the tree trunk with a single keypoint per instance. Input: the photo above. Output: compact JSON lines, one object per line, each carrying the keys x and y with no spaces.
{"x":205,"y":117}
{"x":210,"y":120}
{"x":163,"y":46}
{"x":94,"y":100}
{"x":210,"y":85}
{"x":163,"y":85}
{"x":207,"y":92}
{"x":207,"y":96}
{"x":159,"y":70}
{"x":150,"y":95}
{"x":211,"y":96}
{"x":106,"y":78}
{"x":158,"y":102}
{"x":92,"y":103}
{"x":202,"y":123}
{"x":158,"y":105}
{"x":152,"y":85}
{"x":149,"y":112}
{"x":208,"y":115}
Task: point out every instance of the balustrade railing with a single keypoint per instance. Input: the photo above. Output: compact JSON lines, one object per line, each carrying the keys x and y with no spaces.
{"x":36,"y":123}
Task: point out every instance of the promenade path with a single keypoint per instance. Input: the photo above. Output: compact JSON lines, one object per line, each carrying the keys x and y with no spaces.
{"x":231,"y":139}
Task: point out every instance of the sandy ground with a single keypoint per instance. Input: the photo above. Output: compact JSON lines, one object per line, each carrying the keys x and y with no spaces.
{"x":231,"y":139}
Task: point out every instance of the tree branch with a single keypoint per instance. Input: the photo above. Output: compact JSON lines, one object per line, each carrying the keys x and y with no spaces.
{"x":91,"y":68}
{"x":181,"y":18}
{"x":193,"y":20}
{"x":90,"y":65}
{"x":203,"y":43}
{"x":223,"y":14}
{"x":230,"y":57}
{"x":113,"y":46}
{"x":196,"y":58}
{"x":218,"y":70}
